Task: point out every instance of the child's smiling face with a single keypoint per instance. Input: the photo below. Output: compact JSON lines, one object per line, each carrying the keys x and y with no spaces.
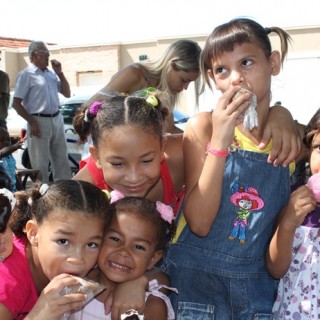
{"x":130,"y":158}
{"x":128,"y":249}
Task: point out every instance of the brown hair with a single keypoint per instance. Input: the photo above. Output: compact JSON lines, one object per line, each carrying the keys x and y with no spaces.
{"x":117,"y":111}
{"x":148,"y":210}
{"x":226,"y":37}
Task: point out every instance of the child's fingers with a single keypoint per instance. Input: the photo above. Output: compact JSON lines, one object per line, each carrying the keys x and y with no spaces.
{"x":58,"y":283}
{"x":226,"y":97}
{"x":239,"y":105}
{"x":72,"y":302}
{"x":284,"y":151}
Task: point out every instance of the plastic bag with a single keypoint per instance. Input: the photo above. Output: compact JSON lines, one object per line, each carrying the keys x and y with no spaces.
{"x":250,"y":117}
{"x":85,"y":286}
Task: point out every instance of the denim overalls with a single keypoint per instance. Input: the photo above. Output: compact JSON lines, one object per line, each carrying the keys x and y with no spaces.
{"x":223,"y":275}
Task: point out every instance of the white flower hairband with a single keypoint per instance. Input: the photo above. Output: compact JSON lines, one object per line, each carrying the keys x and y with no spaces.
{"x":42,"y":190}
{"x":7,"y":193}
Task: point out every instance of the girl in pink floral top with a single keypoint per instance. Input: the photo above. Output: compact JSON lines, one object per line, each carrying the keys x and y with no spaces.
{"x":294,"y":251}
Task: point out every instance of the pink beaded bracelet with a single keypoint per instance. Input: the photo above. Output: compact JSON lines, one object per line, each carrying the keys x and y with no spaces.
{"x":218,"y":153}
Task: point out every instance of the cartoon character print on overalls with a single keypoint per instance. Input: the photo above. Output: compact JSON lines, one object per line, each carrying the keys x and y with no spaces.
{"x":248,"y":200}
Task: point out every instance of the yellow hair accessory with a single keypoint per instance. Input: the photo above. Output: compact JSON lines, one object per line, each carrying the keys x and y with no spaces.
{"x":152,"y":100}
{"x":107,"y":194}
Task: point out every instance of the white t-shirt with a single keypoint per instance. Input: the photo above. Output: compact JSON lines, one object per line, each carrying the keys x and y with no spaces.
{"x":94,"y":310}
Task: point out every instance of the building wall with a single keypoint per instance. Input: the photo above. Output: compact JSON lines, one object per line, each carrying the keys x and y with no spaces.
{"x":95,"y":64}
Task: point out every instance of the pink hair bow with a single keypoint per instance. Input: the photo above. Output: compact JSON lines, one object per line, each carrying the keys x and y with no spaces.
{"x":115,"y":195}
{"x":165,"y":211}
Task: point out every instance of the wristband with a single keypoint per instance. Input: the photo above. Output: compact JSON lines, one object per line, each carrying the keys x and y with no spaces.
{"x":217,"y":153}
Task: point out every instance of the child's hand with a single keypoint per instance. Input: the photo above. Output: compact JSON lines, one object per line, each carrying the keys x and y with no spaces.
{"x":300,"y":204}
{"x":226,"y":116}
{"x":19,"y":144}
{"x":51,"y":305}
{"x":127,"y":295}
{"x":286,"y":140}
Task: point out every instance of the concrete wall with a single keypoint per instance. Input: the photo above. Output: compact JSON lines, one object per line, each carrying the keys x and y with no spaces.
{"x":296,"y":86}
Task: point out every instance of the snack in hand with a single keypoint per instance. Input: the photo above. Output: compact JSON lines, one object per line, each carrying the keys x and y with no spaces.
{"x":85,"y":286}
{"x":250,"y":117}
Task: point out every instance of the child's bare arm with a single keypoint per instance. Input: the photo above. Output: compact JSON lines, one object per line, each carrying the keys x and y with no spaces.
{"x":131,"y":295}
{"x":5,"y":314}
{"x":279,"y":253}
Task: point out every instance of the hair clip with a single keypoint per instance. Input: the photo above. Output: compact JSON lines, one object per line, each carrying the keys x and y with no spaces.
{"x":152,"y":100}
{"x":7,"y":193}
{"x":144,"y":93}
{"x":165,"y":211}
{"x":115,"y":195}
{"x":43,"y":189}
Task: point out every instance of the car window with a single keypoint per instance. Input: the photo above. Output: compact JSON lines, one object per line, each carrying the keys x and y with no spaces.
{"x":68,"y":111}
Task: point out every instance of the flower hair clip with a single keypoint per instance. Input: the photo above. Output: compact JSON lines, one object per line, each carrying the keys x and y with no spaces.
{"x":93,"y":110}
{"x":152,"y":100}
{"x":115,"y":195}
{"x":148,"y":94}
{"x":42,"y":190}
{"x":165,"y":211}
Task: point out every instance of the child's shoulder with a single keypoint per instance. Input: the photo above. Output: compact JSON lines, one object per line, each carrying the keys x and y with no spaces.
{"x":201,"y":119}
{"x":200,"y":124}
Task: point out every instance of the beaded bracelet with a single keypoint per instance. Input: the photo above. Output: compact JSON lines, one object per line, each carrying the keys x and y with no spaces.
{"x":218,"y":153}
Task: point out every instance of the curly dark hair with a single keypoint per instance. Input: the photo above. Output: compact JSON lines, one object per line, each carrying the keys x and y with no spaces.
{"x":147,"y":209}
{"x":117,"y":111}
{"x":73,"y":195}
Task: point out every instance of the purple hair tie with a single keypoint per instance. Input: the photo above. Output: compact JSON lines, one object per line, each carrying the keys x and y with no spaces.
{"x":93,"y":110}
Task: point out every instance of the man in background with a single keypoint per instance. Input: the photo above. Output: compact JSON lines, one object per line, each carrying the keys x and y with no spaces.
{"x":36,"y":100}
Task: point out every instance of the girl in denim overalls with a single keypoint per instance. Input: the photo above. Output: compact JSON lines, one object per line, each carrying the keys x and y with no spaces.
{"x":216,"y":260}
